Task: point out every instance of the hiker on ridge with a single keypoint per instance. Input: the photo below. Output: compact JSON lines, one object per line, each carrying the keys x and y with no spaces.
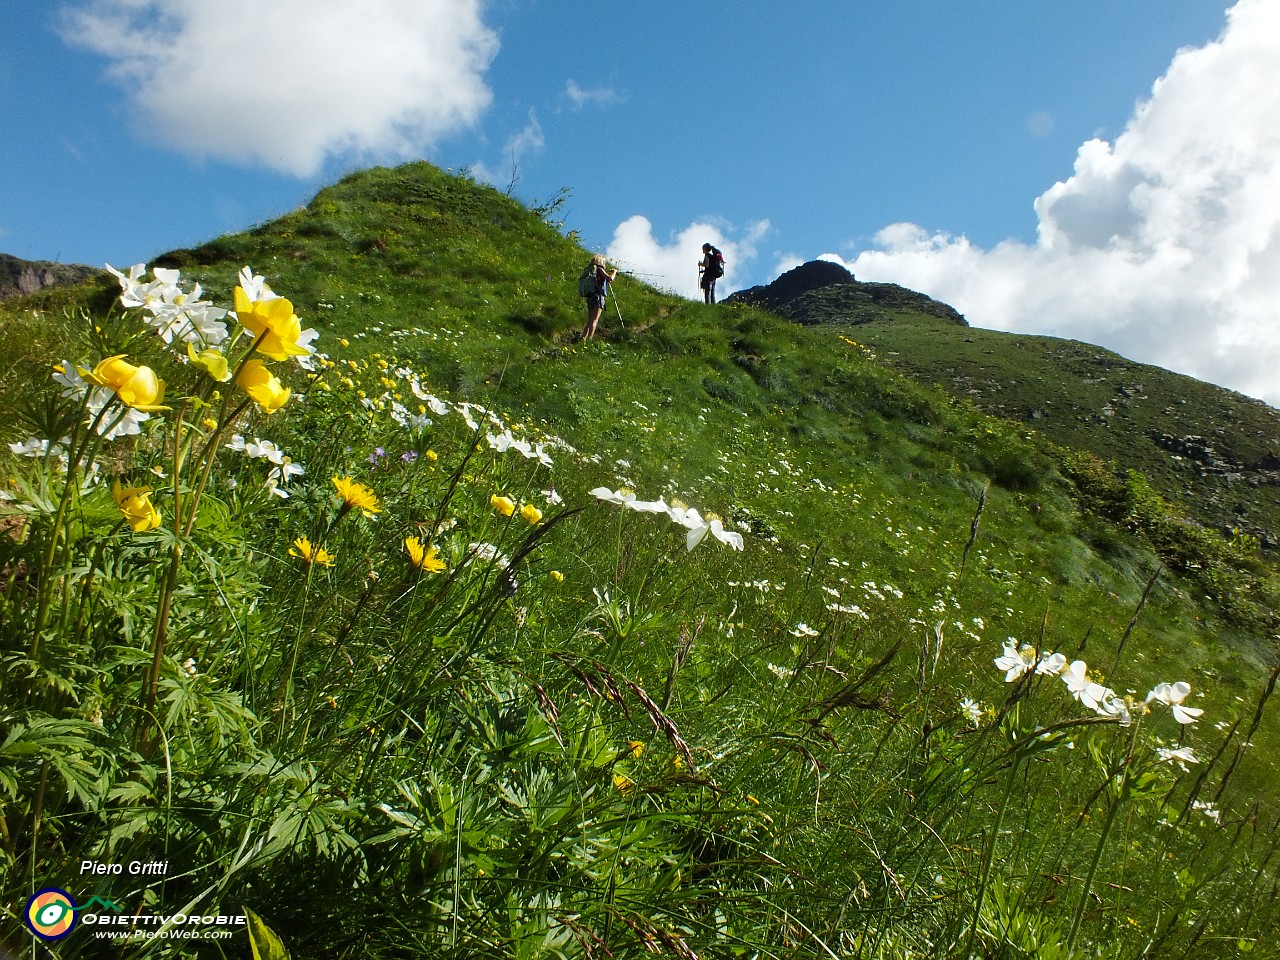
{"x":594,"y":285}
{"x":710,"y":269}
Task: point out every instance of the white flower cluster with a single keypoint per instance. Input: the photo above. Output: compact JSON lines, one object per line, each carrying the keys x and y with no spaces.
{"x":687,"y":517}
{"x":175,"y":314}
{"x":1103,"y":700}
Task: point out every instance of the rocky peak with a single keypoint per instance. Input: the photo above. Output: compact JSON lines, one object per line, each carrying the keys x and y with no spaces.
{"x":21,"y":277}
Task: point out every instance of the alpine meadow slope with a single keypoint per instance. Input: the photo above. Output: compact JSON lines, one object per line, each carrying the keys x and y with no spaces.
{"x":391,"y":618}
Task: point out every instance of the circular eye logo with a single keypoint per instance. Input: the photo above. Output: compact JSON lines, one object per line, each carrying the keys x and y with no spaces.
{"x":51,"y":914}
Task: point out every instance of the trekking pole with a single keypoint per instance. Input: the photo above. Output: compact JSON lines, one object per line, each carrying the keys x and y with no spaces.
{"x":619,"y":309}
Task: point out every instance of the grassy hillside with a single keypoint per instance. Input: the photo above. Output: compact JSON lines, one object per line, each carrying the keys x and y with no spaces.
{"x":1214,"y":452}
{"x":459,"y":695}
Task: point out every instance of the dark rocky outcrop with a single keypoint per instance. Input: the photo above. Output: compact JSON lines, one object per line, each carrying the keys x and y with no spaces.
{"x":823,"y":292}
{"x":21,"y":277}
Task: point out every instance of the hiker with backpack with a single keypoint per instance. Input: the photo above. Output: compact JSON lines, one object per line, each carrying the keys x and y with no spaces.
{"x":593,"y":284}
{"x":710,"y":269}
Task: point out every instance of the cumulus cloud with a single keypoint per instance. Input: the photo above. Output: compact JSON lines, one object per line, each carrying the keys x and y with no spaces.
{"x":1163,"y":246}
{"x":287,"y":84}
{"x":674,"y":265}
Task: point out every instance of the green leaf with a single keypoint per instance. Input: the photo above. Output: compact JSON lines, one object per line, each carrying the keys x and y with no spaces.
{"x":262,"y":939}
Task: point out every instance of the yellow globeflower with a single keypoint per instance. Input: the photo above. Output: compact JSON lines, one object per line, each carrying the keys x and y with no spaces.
{"x":531,"y":514}
{"x":356,"y":496}
{"x":137,"y":387}
{"x":274,"y":325}
{"x":504,"y":505}
{"x":422,"y":557}
{"x":262,"y":386}
{"x":212,"y":361}
{"x":308,"y":554}
{"x":135,"y":503}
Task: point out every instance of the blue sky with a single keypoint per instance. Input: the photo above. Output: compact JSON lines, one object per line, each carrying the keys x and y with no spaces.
{"x":1096,"y":169}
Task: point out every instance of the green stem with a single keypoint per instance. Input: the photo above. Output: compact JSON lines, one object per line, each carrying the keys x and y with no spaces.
{"x":990,"y":855}
{"x":1093,"y":869}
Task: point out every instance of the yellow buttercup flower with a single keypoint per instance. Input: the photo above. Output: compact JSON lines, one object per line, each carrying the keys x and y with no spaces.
{"x":356,"y":496}
{"x":262,"y":386}
{"x":530,"y":514}
{"x":557,"y":576}
{"x":274,"y":325}
{"x":303,"y":549}
{"x":135,"y":503}
{"x":137,"y":387}
{"x":423,"y":557}
{"x":504,"y":505}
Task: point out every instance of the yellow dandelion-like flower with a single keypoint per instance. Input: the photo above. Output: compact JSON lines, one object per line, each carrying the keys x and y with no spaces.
{"x":636,"y":748}
{"x":311,"y":554}
{"x":356,"y":496}
{"x":504,"y":505}
{"x":530,"y":514}
{"x":423,"y":557}
{"x":624,"y":784}
{"x":209,"y":423}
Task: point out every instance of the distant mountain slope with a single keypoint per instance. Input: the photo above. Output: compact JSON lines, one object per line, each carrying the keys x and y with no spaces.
{"x":1214,"y":451}
{"x":824,"y":292}
{"x":21,"y":277}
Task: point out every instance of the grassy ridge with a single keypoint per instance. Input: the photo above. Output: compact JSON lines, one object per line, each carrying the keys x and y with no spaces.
{"x":709,"y":752}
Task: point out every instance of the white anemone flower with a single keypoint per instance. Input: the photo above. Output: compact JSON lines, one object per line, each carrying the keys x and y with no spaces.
{"x":803,"y":630}
{"x":1179,"y":755}
{"x":696,"y":535}
{"x":1172,"y":695}
{"x":727,"y":537}
{"x":1111,"y":705}
{"x":255,"y":287}
{"x":264,"y":450}
{"x":1051,"y":665}
{"x":1075,"y":677}
{"x":648,"y":506}
{"x":621,"y":497}
{"x":74,"y":386}
{"x":971,"y":710}
{"x":1015,"y":662}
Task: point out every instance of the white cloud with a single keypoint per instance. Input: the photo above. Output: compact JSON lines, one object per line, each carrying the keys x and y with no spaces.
{"x":581,"y":96}
{"x":1163,"y":246}
{"x":286,"y":84}
{"x":674,"y":265}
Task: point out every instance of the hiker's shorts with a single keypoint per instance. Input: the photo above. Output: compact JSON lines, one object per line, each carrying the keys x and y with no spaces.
{"x":595,"y":301}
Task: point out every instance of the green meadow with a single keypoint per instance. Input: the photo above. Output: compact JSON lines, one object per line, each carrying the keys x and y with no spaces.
{"x":396,"y":621}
